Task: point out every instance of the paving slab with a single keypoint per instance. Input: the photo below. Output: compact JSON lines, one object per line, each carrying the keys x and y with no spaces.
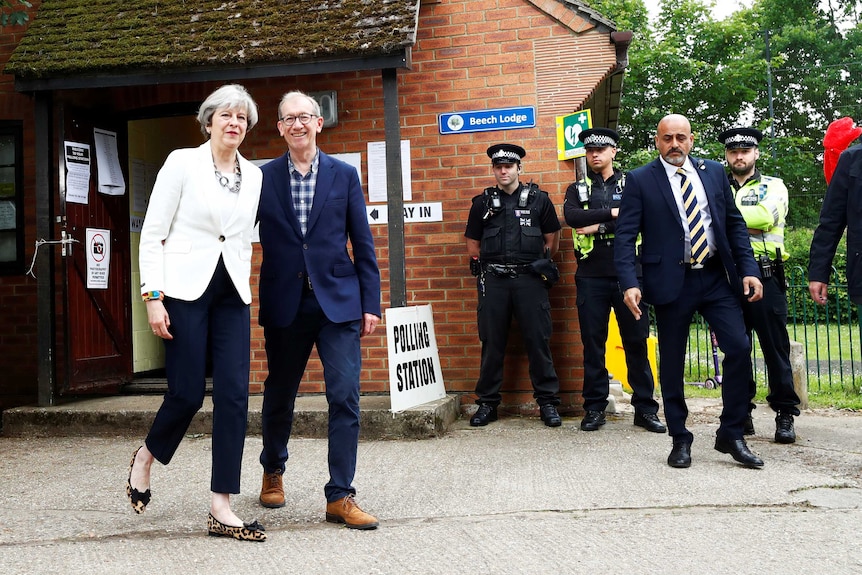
{"x":514,"y":497}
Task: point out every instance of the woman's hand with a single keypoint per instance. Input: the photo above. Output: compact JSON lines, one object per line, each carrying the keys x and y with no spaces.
{"x":158,"y":319}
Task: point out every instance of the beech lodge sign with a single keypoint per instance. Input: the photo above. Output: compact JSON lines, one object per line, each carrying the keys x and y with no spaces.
{"x":487,"y":120}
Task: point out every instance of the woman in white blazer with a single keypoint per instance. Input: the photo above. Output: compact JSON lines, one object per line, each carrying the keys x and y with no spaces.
{"x":195,"y":260}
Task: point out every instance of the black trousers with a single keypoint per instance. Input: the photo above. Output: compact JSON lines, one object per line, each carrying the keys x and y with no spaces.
{"x":526,"y":298}
{"x":596,"y":297}
{"x":768,"y":319}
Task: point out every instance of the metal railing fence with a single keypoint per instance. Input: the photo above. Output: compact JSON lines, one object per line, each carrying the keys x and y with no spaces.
{"x":830,"y":336}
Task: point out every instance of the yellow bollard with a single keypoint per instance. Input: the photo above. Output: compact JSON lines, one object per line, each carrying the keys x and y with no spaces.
{"x":615,"y":357}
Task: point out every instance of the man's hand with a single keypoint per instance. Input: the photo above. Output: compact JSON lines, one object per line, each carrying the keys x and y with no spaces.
{"x":818,"y":291}
{"x":752,"y":288}
{"x":369,"y":324}
{"x":632,"y":297}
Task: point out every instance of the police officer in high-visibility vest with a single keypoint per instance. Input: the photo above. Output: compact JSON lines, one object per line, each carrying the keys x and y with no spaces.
{"x":763,"y":202}
{"x":512,"y":232}
{"x":591,"y":208}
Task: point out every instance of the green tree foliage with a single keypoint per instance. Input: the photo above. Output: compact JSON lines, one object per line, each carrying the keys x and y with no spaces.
{"x":11,"y":12}
{"x":718,"y":73}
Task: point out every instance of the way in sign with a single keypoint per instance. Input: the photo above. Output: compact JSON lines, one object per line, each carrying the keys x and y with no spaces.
{"x":420,"y":212}
{"x":413,"y":212}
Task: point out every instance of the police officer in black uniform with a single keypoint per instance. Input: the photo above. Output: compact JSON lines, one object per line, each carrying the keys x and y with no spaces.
{"x":591,"y":208}
{"x":511,"y":226}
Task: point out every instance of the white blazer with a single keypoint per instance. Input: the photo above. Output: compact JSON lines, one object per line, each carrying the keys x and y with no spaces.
{"x":183,"y":235}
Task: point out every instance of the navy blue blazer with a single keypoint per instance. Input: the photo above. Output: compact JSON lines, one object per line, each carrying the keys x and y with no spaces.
{"x":345,"y":288}
{"x":648,"y":207}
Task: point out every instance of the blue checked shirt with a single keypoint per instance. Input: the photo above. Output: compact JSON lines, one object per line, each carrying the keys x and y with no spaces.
{"x":302,"y":190}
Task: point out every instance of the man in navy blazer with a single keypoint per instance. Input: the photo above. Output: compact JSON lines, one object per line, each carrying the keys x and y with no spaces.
{"x":313,"y":293}
{"x":677,"y":285}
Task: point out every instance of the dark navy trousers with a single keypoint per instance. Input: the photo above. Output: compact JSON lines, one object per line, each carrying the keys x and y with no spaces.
{"x":287,"y":352}
{"x":222,"y":318}
{"x":706,"y":291}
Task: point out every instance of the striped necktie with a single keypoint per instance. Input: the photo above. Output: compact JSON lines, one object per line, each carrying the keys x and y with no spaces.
{"x":699,"y":246}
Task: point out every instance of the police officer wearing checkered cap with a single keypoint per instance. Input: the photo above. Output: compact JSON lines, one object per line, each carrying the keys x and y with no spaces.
{"x":511,"y":226}
{"x":591,"y":208}
{"x":763,"y":202}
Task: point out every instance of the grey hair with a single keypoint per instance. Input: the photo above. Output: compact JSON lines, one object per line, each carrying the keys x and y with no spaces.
{"x":231,"y":97}
{"x":315,"y":107}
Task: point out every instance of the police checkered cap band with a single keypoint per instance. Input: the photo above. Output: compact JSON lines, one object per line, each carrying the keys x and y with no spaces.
{"x":599,"y":140}
{"x":740,"y":139}
{"x":507,"y":155}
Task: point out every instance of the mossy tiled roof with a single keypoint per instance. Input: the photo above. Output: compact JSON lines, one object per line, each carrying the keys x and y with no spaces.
{"x":69,"y":37}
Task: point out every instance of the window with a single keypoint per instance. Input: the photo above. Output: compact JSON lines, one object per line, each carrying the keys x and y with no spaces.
{"x":11,"y":199}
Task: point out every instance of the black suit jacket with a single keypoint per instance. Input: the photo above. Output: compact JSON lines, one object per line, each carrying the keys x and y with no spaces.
{"x":842,"y":208}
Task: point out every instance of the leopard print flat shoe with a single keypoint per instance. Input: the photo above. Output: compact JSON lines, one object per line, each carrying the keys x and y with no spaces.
{"x":253,"y":531}
{"x":138,"y":500}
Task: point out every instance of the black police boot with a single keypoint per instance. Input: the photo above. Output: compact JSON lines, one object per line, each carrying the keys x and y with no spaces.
{"x":784,"y":432}
{"x":550,"y":416}
{"x":593,"y":420}
{"x":748,"y":426}
{"x":484,"y":415}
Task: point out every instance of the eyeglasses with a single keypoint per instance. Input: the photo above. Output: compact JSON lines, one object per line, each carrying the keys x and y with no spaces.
{"x":303,"y":119}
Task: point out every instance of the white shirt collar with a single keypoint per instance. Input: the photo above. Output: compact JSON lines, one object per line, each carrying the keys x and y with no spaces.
{"x":670,"y":169}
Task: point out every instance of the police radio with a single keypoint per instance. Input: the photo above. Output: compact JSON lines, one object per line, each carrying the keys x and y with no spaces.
{"x":581,"y":180}
{"x":493,"y":202}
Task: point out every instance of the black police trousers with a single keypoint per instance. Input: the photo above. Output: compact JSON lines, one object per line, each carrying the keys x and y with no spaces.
{"x":768,"y":319}
{"x":526,"y":298}
{"x":596,"y":297}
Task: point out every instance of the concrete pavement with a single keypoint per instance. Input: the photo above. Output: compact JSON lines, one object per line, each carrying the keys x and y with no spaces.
{"x":512,"y":498}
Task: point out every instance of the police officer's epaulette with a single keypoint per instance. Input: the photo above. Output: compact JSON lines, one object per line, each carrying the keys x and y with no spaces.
{"x":766,"y":179}
{"x":485,"y":192}
{"x":534,"y":189}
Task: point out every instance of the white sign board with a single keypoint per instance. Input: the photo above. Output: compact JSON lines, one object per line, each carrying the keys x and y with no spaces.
{"x":425,"y":212}
{"x":415,"y":376}
{"x":98,"y":258}
{"x":377,"y":189}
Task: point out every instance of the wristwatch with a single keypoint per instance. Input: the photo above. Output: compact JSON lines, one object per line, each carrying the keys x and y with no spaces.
{"x":603,"y":228}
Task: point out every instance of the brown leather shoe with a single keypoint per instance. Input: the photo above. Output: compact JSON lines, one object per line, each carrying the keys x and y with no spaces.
{"x":272,"y":491}
{"x":345,"y":510}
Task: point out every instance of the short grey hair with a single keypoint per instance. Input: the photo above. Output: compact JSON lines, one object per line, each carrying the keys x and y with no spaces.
{"x":315,"y":107}
{"x":230,"y":97}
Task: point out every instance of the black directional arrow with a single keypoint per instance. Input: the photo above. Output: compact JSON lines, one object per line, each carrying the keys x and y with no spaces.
{"x":374,"y":214}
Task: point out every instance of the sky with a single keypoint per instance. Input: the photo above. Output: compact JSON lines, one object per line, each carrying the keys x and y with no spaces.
{"x":722,"y":9}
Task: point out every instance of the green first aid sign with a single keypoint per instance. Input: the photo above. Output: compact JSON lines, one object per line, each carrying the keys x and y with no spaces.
{"x":568,"y":128}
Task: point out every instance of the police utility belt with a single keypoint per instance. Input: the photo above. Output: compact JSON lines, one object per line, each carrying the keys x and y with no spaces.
{"x":770,"y":267}
{"x":507,"y":270}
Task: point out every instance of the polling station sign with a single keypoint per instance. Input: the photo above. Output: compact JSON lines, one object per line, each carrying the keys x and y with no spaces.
{"x":487,"y":120}
{"x":415,"y":376}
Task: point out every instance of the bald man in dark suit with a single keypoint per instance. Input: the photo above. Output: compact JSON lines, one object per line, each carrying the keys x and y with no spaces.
{"x":696,"y":257}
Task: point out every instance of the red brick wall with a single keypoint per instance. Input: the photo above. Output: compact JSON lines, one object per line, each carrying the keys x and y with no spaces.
{"x":469,"y":55}
{"x":18,"y":333}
